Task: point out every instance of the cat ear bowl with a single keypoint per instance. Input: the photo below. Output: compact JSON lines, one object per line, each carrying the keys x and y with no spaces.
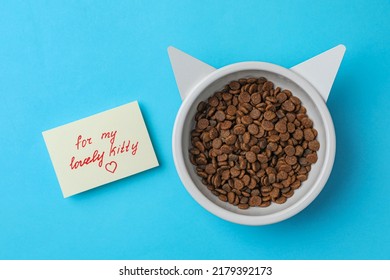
{"x":311,"y":81}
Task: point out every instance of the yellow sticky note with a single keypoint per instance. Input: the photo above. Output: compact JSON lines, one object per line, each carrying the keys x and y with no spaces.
{"x":100,"y":149}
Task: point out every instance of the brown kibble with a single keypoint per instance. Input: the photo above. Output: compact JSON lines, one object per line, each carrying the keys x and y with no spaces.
{"x":239,"y":129}
{"x":231,"y":197}
{"x":269,"y":115}
{"x":238,"y":184}
{"x":217,"y":143}
{"x":267,"y":125}
{"x":244,"y":97}
{"x":282,"y":175}
{"x":231,"y":139}
{"x":268,"y":86}
{"x":234,"y":85}
{"x":210,"y":169}
{"x":291,"y":160}
{"x":203,"y":124}
{"x":272,"y":146}
{"x":253,"y":129}
{"x":312,"y":158}
{"x":298,"y":134}
{"x":281,"y":200}
{"x":213,"y":133}
{"x":306,"y":122}
{"x":274,"y":138}
{"x":256,"y":98}
{"x":281,"y":126}
{"x":226,"y":149}
{"x":262,"y":158}
{"x":284,"y":136}
{"x":255,"y":114}
{"x":255,"y":201}
{"x":250,"y":156}
{"x":246,"y":137}
{"x":235,"y":172}
{"x":308,"y":134}
{"x":265,"y":204}
{"x":253,"y":143}
{"x":281,"y":97}
{"x":226,"y":125}
{"x":289,"y":150}
{"x":243,"y":206}
{"x":275,"y":192}
{"x":225,"y":174}
{"x":246,"y":120}
{"x":231,"y":110}
{"x":302,"y":177}
{"x":314,"y":145}
{"x":295,"y":100}
{"x":220,"y":116}
{"x":288,"y":106}
{"x":213,"y":101}
{"x":271,"y":178}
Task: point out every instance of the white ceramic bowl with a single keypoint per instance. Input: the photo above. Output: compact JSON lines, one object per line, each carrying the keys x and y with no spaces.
{"x":317,"y":111}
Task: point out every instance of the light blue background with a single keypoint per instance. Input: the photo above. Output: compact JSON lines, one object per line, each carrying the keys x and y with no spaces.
{"x":62,"y":61}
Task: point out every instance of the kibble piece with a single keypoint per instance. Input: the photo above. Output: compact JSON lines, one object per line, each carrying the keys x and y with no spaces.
{"x":289,"y":150}
{"x":217,"y":143}
{"x":231,"y":110}
{"x":203,"y":124}
{"x":239,"y":129}
{"x":267,"y":125}
{"x":281,"y":200}
{"x":281,"y":97}
{"x":281,"y":126}
{"x":312,"y":158}
{"x":244,"y":97}
{"x":308,"y":134}
{"x":288,"y":106}
{"x":243,"y":206}
{"x":235,"y":172}
{"x":306,"y":122}
{"x":213,"y":101}
{"x":255,"y":114}
{"x":226,"y":125}
{"x":246,"y":120}
{"x":262,"y":158}
{"x":291,"y":160}
{"x":298,"y":134}
{"x":253,"y":129}
{"x":231,"y":197}
{"x":269,"y":115}
{"x":314,"y":145}
{"x":268,"y":86}
{"x":220,"y":116}
{"x":234,"y":85}
{"x":210,"y":169}
{"x":256,"y":98}
{"x":255,"y":201}
{"x":238,"y":184}
{"x":250,"y":156}
{"x":231,"y":139}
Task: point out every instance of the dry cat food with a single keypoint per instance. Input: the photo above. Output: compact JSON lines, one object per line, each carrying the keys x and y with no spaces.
{"x":253,"y":144}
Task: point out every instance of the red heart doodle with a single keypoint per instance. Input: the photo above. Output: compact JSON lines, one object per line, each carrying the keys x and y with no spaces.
{"x":111,"y":166}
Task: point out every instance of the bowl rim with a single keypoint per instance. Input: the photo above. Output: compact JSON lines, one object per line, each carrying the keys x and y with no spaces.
{"x":178,"y":153}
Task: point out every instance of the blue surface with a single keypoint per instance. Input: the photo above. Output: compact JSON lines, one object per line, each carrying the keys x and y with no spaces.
{"x":62,"y":61}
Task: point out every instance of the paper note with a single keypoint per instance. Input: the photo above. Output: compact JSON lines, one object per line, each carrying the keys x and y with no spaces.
{"x":100,"y":149}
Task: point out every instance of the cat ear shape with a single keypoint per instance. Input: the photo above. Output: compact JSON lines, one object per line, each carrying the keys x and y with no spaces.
{"x":321,"y":70}
{"x":188,"y":70}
